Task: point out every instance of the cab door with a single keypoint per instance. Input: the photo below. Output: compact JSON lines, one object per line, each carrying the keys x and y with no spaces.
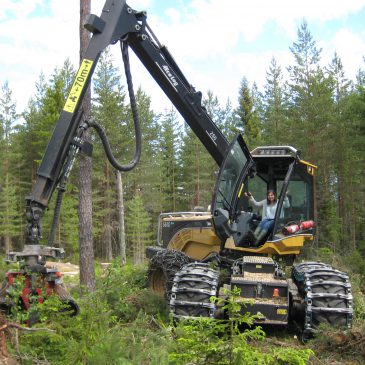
{"x":237,"y":166}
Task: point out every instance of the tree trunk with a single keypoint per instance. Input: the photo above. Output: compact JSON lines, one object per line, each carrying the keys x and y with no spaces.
{"x":197,"y":176}
{"x":138,"y":252}
{"x":7,"y":238}
{"x":87,"y":271}
{"x":108,"y":219}
{"x":121,"y":231}
{"x":8,"y":244}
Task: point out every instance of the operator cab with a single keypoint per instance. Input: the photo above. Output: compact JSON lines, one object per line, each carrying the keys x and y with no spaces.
{"x":270,"y":167}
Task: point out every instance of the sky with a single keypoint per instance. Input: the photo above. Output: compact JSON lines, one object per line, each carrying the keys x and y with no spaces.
{"x":216,"y":43}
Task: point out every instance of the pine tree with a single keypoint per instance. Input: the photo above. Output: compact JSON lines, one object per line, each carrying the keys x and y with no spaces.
{"x":85,"y":207}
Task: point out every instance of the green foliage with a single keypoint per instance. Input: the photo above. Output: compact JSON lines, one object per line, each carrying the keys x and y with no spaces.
{"x":109,"y":111}
{"x":356,"y":262}
{"x":73,"y":338}
{"x":10,"y":219}
{"x":41,"y":307}
{"x":291,"y":356}
{"x":197,"y":172}
{"x":9,"y":209}
{"x":248,"y":112}
{"x":170,"y":145}
{"x":116,"y":325}
{"x":324,"y":254}
{"x":318,"y":111}
{"x":123,"y":323}
{"x":359,"y":302}
{"x":123,"y":289}
{"x":138,"y":228}
{"x":13,"y":300}
{"x":231,"y":341}
{"x":274,"y":99}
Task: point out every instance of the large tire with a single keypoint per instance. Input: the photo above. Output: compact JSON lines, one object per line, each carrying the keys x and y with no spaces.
{"x":193,"y":287}
{"x":326,"y":293}
{"x":162,"y":269}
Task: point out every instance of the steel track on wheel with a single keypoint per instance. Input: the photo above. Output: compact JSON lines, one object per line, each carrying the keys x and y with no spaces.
{"x":192,"y":289}
{"x":327,"y":295}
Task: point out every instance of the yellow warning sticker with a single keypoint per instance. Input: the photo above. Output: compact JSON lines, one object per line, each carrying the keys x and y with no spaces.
{"x":78,"y":85}
{"x":281,"y":311}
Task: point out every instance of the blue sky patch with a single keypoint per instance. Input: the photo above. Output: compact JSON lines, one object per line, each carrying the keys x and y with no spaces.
{"x":43,"y":10}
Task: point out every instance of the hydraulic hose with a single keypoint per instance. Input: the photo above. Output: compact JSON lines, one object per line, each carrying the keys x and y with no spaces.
{"x":99,"y":129}
{"x":104,"y":139}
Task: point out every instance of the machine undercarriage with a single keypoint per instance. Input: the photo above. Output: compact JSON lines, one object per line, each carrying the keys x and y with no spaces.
{"x":313,"y":294}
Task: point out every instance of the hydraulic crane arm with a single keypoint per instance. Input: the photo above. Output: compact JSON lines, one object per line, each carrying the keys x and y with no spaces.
{"x":118,"y":22}
{"x":185,"y":98}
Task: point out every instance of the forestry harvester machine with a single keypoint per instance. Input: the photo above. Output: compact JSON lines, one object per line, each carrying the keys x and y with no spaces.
{"x":194,"y":249}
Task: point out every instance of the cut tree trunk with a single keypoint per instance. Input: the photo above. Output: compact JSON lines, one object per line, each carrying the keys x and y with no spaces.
{"x":87,"y":270}
{"x":121,"y":231}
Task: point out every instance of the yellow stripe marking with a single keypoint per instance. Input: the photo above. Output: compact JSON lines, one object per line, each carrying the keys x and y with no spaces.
{"x":240,"y":192}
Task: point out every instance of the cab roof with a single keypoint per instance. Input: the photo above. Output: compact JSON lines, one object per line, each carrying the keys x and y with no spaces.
{"x":275,"y":151}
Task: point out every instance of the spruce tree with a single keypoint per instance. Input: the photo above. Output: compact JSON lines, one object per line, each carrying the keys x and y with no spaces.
{"x":170,"y":140}
{"x":40,"y":117}
{"x":145,"y":177}
{"x":355,"y":113}
{"x":109,"y":111}
{"x":311,"y":114}
{"x":342,"y":132}
{"x":248,"y":114}
{"x":274,"y":116}
{"x":138,"y":226}
{"x":9,"y":209}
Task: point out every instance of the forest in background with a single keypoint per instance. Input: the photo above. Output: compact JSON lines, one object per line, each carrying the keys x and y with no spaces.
{"x":317,"y":110}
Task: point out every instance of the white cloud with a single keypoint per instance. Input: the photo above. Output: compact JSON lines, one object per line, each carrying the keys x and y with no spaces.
{"x":36,"y":44}
{"x":217,"y":26}
{"x":19,"y":9}
{"x":199,"y":33}
{"x":351,"y":49}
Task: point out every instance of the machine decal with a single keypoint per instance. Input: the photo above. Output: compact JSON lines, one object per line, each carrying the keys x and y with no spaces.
{"x":78,"y":85}
{"x":169,"y":76}
{"x":212,"y":136}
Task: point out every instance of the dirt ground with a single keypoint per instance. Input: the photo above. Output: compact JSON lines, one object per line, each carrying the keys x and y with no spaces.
{"x":7,"y":361}
{"x":66,"y":268}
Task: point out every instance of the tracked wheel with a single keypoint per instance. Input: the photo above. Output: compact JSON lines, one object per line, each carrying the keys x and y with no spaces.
{"x":162,"y":269}
{"x":192,"y":289}
{"x":327,"y":295}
